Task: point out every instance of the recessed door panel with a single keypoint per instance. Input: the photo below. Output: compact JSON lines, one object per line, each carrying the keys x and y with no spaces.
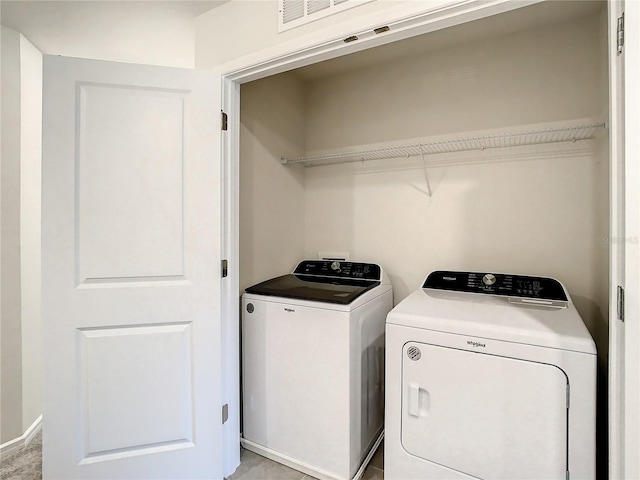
{"x":147,"y":376}
{"x":483,"y":415}
{"x":129,"y":190}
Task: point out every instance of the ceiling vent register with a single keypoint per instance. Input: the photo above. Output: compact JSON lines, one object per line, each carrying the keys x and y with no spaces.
{"x":294,"y":13}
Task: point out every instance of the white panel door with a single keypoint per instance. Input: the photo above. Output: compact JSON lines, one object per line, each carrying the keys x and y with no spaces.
{"x":131,"y":272}
{"x":486,"y":416}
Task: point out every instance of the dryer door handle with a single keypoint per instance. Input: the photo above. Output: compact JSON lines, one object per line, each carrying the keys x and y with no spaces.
{"x":418,"y":400}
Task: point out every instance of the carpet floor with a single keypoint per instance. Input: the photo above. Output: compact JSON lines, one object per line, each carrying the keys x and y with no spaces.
{"x":25,"y":464}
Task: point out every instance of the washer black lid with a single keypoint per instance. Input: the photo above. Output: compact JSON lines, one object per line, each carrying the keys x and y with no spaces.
{"x":320,"y":289}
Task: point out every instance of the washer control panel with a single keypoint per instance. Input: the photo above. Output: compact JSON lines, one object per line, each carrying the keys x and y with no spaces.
{"x":333,"y":268}
{"x":542,"y":288}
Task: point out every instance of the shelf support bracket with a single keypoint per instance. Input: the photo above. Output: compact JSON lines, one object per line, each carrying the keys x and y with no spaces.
{"x":426,"y":172}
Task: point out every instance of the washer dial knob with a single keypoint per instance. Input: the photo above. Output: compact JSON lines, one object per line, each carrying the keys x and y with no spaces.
{"x":335,"y":266}
{"x":489,"y":279}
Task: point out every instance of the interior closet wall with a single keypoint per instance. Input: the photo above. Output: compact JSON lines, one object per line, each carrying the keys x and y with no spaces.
{"x":545,"y":214}
{"x":271,"y":196}
{"x":534,"y":210}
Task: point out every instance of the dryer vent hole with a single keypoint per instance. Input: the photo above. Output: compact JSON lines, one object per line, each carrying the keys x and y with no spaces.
{"x":414,"y":353}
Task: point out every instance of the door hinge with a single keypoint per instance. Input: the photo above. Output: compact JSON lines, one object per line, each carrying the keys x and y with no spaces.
{"x":620,"y":303}
{"x":568,"y":476}
{"x":568,"y":395}
{"x":225,"y":413}
{"x":620,"y":41}
{"x":225,"y":268}
{"x":224,"y":125}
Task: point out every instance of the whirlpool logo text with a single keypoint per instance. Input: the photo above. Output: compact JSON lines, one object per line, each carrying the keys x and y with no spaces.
{"x":476,"y":344}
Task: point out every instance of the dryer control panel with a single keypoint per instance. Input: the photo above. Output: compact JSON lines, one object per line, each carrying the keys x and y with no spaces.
{"x":332,"y":268}
{"x":542,"y":288}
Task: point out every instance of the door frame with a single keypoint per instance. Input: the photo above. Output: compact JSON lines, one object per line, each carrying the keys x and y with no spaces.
{"x":624,"y":366}
{"x":632,"y":253}
{"x":229,"y":245}
{"x":616,"y":253}
{"x":404,"y":23}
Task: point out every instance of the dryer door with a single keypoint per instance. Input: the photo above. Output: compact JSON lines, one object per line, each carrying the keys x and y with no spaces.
{"x":483,"y":415}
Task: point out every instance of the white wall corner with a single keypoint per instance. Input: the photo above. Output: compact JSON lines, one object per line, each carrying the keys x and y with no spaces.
{"x":30,"y":230}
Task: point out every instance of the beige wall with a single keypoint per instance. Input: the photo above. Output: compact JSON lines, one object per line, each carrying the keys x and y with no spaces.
{"x":546,"y":215}
{"x":253,"y":25}
{"x":21,"y":359}
{"x":541,"y":217}
{"x":271,"y":197}
{"x":530,"y":77}
{"x":10,"y":316}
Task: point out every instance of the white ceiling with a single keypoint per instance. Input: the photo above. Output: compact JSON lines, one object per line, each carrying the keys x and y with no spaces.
{"x":44,"y":21}
{"x":25,"y":13}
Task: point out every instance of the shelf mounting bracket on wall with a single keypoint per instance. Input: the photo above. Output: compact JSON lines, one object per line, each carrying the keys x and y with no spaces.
{"x":426,"y":172}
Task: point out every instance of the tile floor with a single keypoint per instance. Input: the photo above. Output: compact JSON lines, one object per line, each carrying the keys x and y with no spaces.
{"x":254,"y":467}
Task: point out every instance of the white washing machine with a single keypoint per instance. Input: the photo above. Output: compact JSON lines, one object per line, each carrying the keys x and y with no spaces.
{"x":313,"y":366}
{"x":489,"y":376}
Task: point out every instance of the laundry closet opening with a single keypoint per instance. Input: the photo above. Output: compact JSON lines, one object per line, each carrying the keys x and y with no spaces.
{"x":540,"y":207}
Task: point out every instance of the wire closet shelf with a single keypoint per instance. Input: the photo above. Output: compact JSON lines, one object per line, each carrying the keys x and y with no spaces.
{"x":571,"y":133}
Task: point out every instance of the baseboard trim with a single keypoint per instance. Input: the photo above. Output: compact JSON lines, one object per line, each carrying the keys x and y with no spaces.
{"x":23,"y":440}
{"x":309,"y":469}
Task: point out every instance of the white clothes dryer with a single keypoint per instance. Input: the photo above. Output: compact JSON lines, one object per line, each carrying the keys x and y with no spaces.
{"x":489,"y":376}
{"x":313,"y":366}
